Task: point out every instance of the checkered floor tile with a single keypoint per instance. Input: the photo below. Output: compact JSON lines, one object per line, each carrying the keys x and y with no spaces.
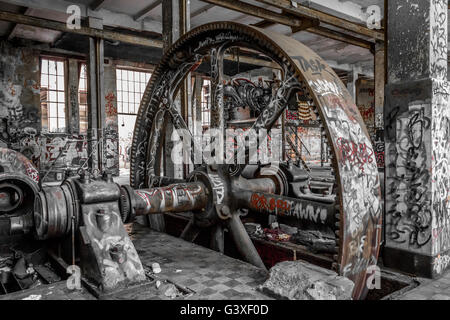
{"x":209,"y":274}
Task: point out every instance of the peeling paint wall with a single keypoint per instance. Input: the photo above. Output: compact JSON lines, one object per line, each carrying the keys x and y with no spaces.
{"x":20,"y":114}
{"x":413,"y":62}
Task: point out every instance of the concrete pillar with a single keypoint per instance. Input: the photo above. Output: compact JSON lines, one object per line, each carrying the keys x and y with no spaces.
{"x":416,"y":118}
{"x":96,"y":98}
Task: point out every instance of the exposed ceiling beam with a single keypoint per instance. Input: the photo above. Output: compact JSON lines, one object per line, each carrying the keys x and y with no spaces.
{"x":97,"y":4}
{"x":325,"y":32}
{"x":91,"y":32}
{"x":13,"y":32}
{"x":110,"y":18}
{"x":110,"y":35}
{"x":303,"y":11}
{"x":256,"y":11}
{"x":263,"y":24}
{"x":201,"y":10}
{"x":145,"y":12}
{"x":285,"y":18}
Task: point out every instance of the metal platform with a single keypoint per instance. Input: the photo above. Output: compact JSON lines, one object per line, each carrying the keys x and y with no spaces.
{"x":198,"y":272}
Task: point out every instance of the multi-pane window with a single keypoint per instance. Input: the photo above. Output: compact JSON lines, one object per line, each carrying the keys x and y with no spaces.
{"x":82,"y":99}
{"x":130,"y":88}
{"x":53,"y":100}
{"x":206,"y":103}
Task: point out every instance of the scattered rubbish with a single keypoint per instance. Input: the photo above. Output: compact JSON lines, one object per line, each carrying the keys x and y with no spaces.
{"x":288,"y":229}
{"x":156,"y":268}
{"x":274,"y":225}
{"x":158,"y":284}
{"x":178,"y":271}
{"x":276,"y":235}
{"x":254,"y":229}
{"x":20,"y":269}
{"x":315,"y":241}
{"x":298,"y":280}
{"x":172,"y":291}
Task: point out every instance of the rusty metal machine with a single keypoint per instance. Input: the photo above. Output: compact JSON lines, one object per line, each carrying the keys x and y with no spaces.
{"x":89,"y":211}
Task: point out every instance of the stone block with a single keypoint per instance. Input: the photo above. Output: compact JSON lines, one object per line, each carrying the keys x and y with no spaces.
{"x":298,"y":280}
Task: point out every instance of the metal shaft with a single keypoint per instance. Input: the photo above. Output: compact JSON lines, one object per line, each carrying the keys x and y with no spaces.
{"x":174,"y":198}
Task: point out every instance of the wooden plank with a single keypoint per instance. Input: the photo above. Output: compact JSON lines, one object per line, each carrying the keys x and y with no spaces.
{"x":256,"y":11}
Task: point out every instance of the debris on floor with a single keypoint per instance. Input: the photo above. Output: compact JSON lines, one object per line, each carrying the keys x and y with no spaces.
{"x":276,"y":235}
{"x":316,"y":241}
{"x":171,"y":291}
{"x":297,"y":280}
{"x":156,"y":268}
{"x":254,"y":229}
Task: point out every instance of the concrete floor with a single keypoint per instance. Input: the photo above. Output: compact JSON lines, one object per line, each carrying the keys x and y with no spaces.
{"x":438,"y":289}
{"x":196,"y":272}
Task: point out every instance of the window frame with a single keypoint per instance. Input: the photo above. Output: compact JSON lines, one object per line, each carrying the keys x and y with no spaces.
{"x":57,"y":90}
{"x":80,"y":68}
{"x":119,"y":92}
{"x":207,"y":102}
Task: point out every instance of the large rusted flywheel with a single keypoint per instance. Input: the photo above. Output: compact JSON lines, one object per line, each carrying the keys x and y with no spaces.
{"x":357,"y":204}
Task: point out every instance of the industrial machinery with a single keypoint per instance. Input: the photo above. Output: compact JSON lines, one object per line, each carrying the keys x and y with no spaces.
{"x":88,"y":212}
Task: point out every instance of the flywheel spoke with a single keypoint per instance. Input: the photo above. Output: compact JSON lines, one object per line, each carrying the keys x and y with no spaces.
{"x":243,"y":242}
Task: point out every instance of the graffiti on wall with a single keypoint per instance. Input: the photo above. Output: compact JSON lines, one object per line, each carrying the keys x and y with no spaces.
{"x":111,"y":134}
{"x":409,"y":177}
{"x":19,"y":95}
{"x":438,"y":39}
{"x":440,"y":133}
{"x":378,"y":141}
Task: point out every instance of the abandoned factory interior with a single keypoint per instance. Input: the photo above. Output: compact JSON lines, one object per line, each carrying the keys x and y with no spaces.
{"x":224,"y":150}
